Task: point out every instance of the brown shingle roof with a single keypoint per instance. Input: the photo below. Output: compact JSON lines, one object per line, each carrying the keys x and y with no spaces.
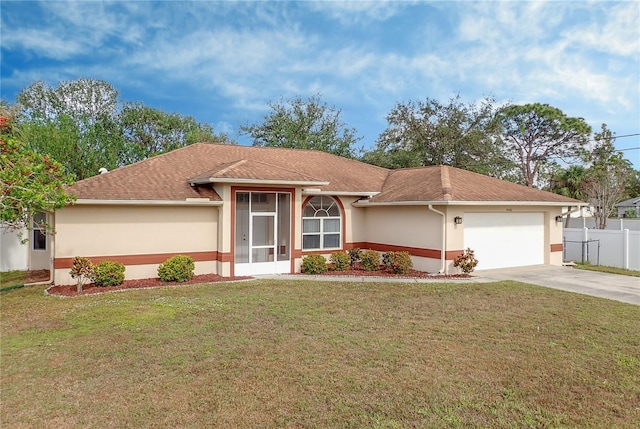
{"x":254,"y":170}
{"x":167,"y":177}
{"x":443,"y":183}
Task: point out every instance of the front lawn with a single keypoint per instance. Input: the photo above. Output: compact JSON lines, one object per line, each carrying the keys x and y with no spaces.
{"x":305,"y":354}
{"x":610,"y":270}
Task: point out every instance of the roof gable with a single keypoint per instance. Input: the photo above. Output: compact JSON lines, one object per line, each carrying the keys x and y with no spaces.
{"x":631,"y":202}
{"x":448,"y":184}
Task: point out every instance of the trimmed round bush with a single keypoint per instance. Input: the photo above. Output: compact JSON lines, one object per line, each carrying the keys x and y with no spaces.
{"x":178,"y":268}
{"x":370,"y":260}
{"x":108,"y":273}
{"x":466,"y":262}
{"x":386,"y":259}
{"x":340,"y":260}
{"x":355,"y":255}
{"x":400,"y":262}
{"x":314,"y":264}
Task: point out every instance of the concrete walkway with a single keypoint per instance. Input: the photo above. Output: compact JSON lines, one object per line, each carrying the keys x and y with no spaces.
{"x":602,"y":285}
{"x":611,"y":286}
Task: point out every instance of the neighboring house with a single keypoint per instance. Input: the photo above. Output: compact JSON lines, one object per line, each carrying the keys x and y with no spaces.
{"x":240,"y":210}
{"x":629,"y":208}
{"x":578,"y":212}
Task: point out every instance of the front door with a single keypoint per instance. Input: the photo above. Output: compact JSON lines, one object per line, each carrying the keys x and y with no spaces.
{"x":263,"y":233}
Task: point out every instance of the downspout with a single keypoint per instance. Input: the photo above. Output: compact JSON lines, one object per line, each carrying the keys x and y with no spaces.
{"x":444,"y":239}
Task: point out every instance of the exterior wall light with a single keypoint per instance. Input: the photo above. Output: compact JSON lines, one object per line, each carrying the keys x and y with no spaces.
{"x":559,"y":219}
{"x":457,"y":220}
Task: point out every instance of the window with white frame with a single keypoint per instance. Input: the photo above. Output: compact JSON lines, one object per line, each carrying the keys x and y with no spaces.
{"x":321,"y":224}
{"x":39,"y":236}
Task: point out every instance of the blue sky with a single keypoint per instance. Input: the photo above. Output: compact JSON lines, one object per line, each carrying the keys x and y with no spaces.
{"x":222,"y":62}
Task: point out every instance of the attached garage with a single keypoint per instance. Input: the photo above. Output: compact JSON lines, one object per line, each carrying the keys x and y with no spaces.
{"x":503,"y":240}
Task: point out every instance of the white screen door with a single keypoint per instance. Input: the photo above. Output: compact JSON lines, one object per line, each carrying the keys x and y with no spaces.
{"x":263,"y":233}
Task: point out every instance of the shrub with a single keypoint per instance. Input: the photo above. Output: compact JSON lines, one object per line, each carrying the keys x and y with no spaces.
{"x":466,"y":262}
{"x":178,"y":268}
{"x":386,"y":259}
{"x":400,"y":262}
{"x":340,"y":260}
{"x":82,"y":269}
{"x":108,"y":273}
{"x":354,"y":255}
{"x":370,"y":260}
{"x":314,"y":264}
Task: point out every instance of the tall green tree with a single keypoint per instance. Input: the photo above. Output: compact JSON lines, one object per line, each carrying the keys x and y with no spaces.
{"x":608,"y":176}
{"x":83,"y":125}
{"x":570,"y":182}
{"x":29,"y":182}
{"x":536,"y":134}
{"x":148,"y":132}
{"x":633,"y":185}
{"x":79,"y":99}
{"x":75,"y":123}
{"x":432,"y":133}
{"x":304,"y":124}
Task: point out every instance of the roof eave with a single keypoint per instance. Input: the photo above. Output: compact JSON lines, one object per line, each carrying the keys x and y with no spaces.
{"x":186,"y":202}
{"x":257,"y":181}
{"x":468,"y":203}
{"x":340,"y":193}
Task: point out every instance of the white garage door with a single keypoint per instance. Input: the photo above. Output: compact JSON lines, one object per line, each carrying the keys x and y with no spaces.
{"x":503,"y":240}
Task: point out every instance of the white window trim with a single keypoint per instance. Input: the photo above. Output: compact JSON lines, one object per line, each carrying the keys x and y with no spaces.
{"x":43,"y":231}
{"x":322,"y":233}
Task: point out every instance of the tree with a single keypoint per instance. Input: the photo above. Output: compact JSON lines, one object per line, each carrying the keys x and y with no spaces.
{"x":608,"y":176}
{"x":536,"y":133}
{"x":570,"y":182}
{"x":75,"y":123}
{"x":83,"y":125}
{"x":149,"y":132}
{"x":633,"y":185}
{"x":304,"y":124}
{"x":31,"y":182}
{"x":432,"y":133}
{"x":81,"y":98}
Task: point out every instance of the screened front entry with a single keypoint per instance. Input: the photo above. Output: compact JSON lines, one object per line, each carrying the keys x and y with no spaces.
{"x":263,"y":233}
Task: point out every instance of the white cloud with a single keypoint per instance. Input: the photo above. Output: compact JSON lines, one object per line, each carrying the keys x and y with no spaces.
{"x":618,"y":32}
{"x":43,"y":42}
{"x":357,"y":11}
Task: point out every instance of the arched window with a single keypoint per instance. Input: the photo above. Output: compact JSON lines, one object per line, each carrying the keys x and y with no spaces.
{"x":321,"y":224}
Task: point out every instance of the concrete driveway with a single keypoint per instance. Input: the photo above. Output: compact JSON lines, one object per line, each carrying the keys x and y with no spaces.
{"x":611,"y":286}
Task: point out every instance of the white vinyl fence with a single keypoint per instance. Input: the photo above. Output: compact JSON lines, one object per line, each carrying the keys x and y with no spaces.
{"x":616,"y":224}
{"x":603,"y":247}
{"x":13,"y":253}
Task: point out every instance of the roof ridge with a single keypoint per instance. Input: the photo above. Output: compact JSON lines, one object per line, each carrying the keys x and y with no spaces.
{"x":446,"y":183}
{"x":231,"y":166}
{"x":285,"y":169}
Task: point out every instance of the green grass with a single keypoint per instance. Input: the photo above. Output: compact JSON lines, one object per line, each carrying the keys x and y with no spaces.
{"x":270,"y":354}
{"x":610,"y":270}
{"x":11,"y":278}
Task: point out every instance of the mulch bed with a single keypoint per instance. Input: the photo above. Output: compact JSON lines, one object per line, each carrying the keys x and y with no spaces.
{"x":36,"y":276}
{"x":89,"y":289}
{"x":71,"y":290}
